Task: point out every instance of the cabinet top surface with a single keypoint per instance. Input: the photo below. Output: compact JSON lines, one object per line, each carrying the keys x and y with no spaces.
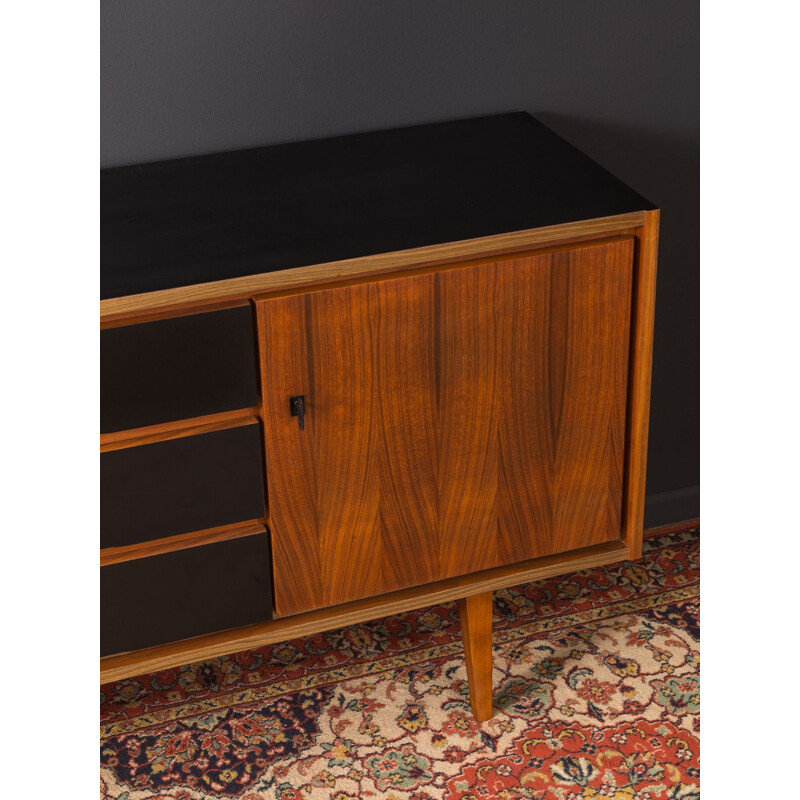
{"x":195,"y":220}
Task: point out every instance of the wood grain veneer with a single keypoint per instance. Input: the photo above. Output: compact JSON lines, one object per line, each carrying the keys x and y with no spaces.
{"x":456,"y":420}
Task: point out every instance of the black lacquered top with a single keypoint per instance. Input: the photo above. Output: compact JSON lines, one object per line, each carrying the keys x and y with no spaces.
{"x":194,"y":220}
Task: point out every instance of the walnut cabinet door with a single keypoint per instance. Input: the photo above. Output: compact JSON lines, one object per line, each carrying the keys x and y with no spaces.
{"x":428,"y":425}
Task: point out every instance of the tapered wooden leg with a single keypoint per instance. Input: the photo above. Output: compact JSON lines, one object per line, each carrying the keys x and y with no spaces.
{"x":476,"y":632}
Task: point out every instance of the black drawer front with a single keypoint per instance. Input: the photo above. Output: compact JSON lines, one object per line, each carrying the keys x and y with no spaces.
{"x":152,"y":601}
{"x":176,"y":369}
{"x":181,"y":485}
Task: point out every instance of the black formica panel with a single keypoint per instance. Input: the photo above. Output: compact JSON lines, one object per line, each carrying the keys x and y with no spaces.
{"x":151,"y":601}
{"x":177,"y":368}
{"x":194,"y":220}
{"x":180,"y":485}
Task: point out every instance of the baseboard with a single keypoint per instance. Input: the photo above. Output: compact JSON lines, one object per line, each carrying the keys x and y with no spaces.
{"x":666,"y":508}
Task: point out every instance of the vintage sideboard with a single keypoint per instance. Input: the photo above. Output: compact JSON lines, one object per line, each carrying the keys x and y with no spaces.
{"x":351,"y":377}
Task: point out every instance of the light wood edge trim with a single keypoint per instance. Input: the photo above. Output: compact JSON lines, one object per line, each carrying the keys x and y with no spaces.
{"x":127,"y":665}
{"x":183,"y":541}
{"x":133,"y":307}
{"x":672,"y":527}
{"x":643,"y":312}
{"x":626,"y":234}
{"x":172,"y":313}
{"x":177,"y":430}
{"x":176,"y":425}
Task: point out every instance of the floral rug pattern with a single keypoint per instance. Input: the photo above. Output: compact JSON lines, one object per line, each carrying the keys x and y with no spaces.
{"x":596,"y":680}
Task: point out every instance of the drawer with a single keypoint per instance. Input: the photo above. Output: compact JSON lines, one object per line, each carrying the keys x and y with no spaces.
{"x":181,"y":485}
{"x":164,"y":598}
{"x":177,"y":369}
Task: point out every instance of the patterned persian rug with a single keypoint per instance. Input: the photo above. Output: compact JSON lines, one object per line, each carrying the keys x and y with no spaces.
{"x":596,"y":696}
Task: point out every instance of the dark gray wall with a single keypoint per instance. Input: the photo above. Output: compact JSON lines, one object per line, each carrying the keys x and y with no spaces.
{"x":619,"y":79}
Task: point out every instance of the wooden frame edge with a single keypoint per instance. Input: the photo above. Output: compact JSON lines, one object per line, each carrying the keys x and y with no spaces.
{"x":135,"y":437}
{"x":220,"y":294}
{"x":127,"y":665}
{"x":546,"y":248}
{"x":639,"y":381}
{"x":672,"y":527}
{"x":183,"y":541}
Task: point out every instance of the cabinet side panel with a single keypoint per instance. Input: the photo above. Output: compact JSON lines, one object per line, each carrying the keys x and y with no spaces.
{"x":644,"y":304}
